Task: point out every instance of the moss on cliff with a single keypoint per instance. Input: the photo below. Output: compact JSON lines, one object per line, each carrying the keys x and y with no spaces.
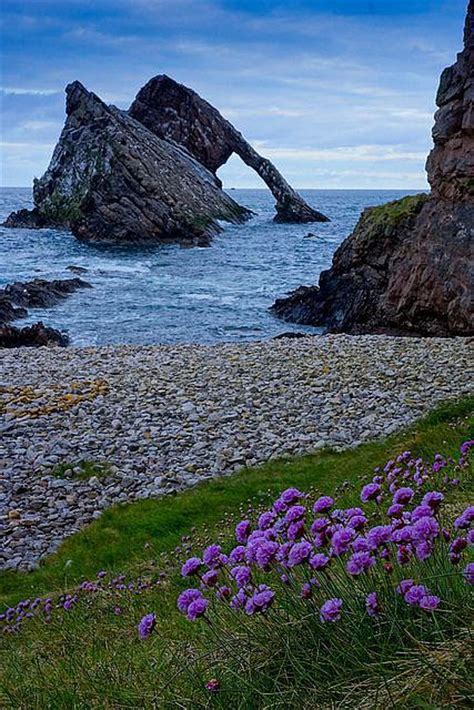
{"x":391,"y":213}
{"x":61,"y":209}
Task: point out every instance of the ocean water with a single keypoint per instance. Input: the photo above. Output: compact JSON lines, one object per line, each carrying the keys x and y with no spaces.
{"x":170,"y":294}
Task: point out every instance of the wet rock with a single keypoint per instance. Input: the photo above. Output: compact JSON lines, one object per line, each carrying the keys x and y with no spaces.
{"x":34,"y":335}
{"x":40,"y":293}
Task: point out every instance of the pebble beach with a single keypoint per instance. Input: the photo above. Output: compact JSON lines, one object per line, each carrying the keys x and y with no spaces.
{"x":162,"y":418}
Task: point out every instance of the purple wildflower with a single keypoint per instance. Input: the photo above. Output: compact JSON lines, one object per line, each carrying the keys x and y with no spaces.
{"x":237,"y":554}
{"x":404,"y":586}
{"x":241,"y":575}
{"x":306,"y":591}
{"x":223,"y":592}
{"x":191,"y":566}
{"x":296,"y":530}
{"x":468,"y":573}
{"x":238,"y":601}
{"x":341,"y":540}
{"x":379,"y":535}
{"x":415,"y":594}
{"x":360,"y":544}
{"x":242,"y":531}
{"x":395,"y":510}
{"x":260,"y":601}
{"x":429,"y":602}
{"x":197,"y":608}
{"x":425,"y":528}
{"x":403,"y":496}
{"x":146,"y":626}
{"x":212,"y":556}
{"x":458,"y":545}
{"x":296,"y":512}
{"x":372,"y":604}
{"x":423,"y":550}
{"x":210,"y":578}
{"x":433,"y":499}
{"x":213,"y":685}
{"x":370,"y":492}
{"x":318,"y":561}
{"x":323,"y":504}
{"x":299,"y":553}
{"x":266,"y":553}
{"x":266,"y":519}
{"x":465,"y":519}
{"x":359,"y":562}
{"x":331,"y":610}
{"x":291,"y":495}
{"x":186,"y":598}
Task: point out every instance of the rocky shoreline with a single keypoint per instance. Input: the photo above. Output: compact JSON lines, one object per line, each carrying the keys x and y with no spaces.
{"x":162,"y":418}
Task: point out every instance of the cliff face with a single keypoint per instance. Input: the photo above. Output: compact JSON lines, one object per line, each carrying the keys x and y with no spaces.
{"x":175,"y":112}
{"x":408,"y":267}
{"x":450,"y":165}
{"x":112,"y":180}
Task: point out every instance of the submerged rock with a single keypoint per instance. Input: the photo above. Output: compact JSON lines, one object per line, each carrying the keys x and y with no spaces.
{"x":112,"y":180}
{"x":175,"y":112}
{"x":35,"y":335}
{"x":407,"y":267}
{"x":40,"y":293}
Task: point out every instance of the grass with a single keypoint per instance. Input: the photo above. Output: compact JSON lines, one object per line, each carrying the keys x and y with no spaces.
{"x":91,"y":658}
{"x":88,"y":469}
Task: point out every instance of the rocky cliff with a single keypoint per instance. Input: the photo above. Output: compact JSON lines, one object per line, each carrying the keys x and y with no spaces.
{"x":112,"y":180}
{"x":175,"y":112}
{"x":408,"y":265}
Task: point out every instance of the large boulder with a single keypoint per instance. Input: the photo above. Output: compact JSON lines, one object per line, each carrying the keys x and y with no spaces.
{"x":407,"y":267}
{"x":175,"y":112}
{"x":112,"y":180}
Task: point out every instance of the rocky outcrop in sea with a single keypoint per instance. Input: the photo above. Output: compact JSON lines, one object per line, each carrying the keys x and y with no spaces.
{"x":141,"y":177}
{"x":112,"y":180}
{"x":17,"y":297}
{"x":407,"y":267}
{"x":177,"y":113}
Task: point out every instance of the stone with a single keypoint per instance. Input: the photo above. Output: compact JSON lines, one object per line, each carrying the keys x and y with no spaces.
{"x":407,"y":267}
{"x":175,"y":112}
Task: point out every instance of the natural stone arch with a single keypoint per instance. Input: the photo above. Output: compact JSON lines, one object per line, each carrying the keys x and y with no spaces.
{"x":175,"y":112}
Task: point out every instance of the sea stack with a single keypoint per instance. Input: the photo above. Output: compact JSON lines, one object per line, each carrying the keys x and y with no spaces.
{"x":112,"y":180}
{"x":175,"y":112}
{"x":407,"y":268}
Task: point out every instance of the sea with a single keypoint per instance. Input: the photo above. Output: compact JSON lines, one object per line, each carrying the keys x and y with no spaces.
{"x":170,"y":294}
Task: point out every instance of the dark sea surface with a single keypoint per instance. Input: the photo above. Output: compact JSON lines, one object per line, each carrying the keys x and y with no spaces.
{"x":169,"y":294}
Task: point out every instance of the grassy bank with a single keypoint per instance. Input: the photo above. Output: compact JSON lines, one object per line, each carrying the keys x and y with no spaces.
{"x":127,"y":535}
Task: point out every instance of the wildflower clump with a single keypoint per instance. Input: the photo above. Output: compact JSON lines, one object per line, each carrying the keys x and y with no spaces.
{"x":341,"y":561}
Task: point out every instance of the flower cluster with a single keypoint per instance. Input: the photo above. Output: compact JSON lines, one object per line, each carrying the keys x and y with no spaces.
{"x":306,"y":547}
{"x":114,"y":589}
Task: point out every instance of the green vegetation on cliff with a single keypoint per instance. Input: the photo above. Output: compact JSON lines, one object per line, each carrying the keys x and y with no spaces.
{"x":391,"y":213}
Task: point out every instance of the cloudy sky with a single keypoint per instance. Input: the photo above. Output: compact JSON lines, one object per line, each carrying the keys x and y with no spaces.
{"x":338,"y":93}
